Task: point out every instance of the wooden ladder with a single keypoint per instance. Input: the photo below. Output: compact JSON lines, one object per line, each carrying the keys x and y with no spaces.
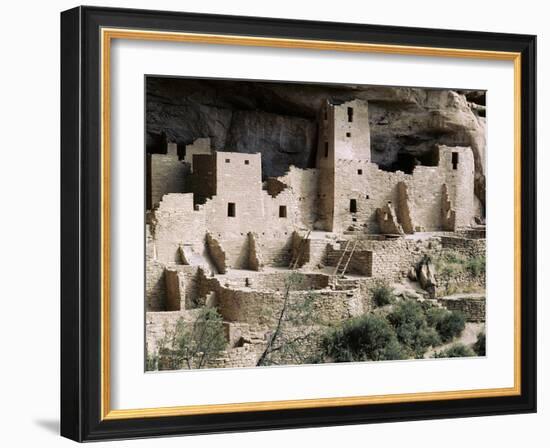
{"x":294,"y":262}
{"x":343,"y":256}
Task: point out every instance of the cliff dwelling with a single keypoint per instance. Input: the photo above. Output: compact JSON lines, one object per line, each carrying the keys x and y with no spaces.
{"x":316,"y":241}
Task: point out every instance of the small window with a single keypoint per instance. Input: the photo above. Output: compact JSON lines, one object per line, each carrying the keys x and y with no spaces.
{"x":231,"y":209}
{"x":350,"y":114}
{"x":247,"y":162}
{"x":227,"y":160}
{"x":353,"y":205}
{"x":367,"y":197}
{"x":348,"y":134}
{"x":326,"y":149}
{"x":282,"y":211}
{"x":354,"y":219}
{"x":454,"y":159}
{"x":359,"y":172}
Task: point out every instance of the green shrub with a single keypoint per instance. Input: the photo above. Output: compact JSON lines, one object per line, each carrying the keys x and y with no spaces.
{"x":382,"y":294}
{"x":151,"y":362}
{"x":455,"y":351}
{"x":475,"y":266}
{"x":411,"y":327}
{"x":479,"y":345}
{"x":365,"y":338}
{"x":195,"y":343}
{"x":448,"y":324}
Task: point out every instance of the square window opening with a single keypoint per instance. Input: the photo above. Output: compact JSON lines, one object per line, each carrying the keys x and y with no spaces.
{"x":282,"y":211}
{"x":231,"y":210}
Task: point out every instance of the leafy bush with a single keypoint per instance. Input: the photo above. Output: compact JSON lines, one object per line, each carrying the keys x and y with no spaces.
{"x":479,"y":345}
{"x":475,"y":266}
{"x":448,"y":324}
{"x":151,"y":362}
{"x":365,"y":338}
{"x":451,"y":263}
{"x":190,"y":344}
{"x":455,"y":351}
{"x":411,"y":327}
{"x":382,"y":294}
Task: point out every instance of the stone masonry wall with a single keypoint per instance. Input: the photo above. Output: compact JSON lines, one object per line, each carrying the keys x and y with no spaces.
{"x":261,"y":309}
{"x":471,"y":248}
{"x":472,"y":307}
{"x":360,"y":263}
{"x":372,"y":188}
{"x":166,"y":174}
{"x":392,"y":258}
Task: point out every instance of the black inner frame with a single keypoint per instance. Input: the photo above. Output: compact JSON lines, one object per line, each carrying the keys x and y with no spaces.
{"x":81,"y":221}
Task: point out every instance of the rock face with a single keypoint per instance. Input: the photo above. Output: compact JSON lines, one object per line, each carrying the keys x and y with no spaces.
{"x":426,"y":277}
{"x":280,"y":120}
{"x":280,"y":139}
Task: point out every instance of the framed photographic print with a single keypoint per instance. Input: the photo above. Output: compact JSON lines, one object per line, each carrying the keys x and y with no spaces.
{"x":275,"y":224}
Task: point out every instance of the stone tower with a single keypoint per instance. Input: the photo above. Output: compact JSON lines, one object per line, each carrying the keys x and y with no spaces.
{"x":344,"y":135}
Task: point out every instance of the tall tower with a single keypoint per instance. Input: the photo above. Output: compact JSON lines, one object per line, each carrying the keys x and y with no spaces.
{"x":344,"y":134}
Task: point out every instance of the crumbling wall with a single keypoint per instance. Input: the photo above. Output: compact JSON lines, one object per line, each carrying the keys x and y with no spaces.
{"x":166,"y":174}
{"x":404,"y":210}
{"x":387,"y":220}
{"x":255,"y":260}
{"x":155,"y":291}
{"x":216,"y":253}
{"x":302,"y":195}
{"x":176,"y":222}
{"x":171,"y":287}
{"x":155,"y":288}
{"x":199,"y":146}
{"x":310,"y":252}
{"x":175,"y":290}
{"x":448,"y":215}
{"x":274,"y":185}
